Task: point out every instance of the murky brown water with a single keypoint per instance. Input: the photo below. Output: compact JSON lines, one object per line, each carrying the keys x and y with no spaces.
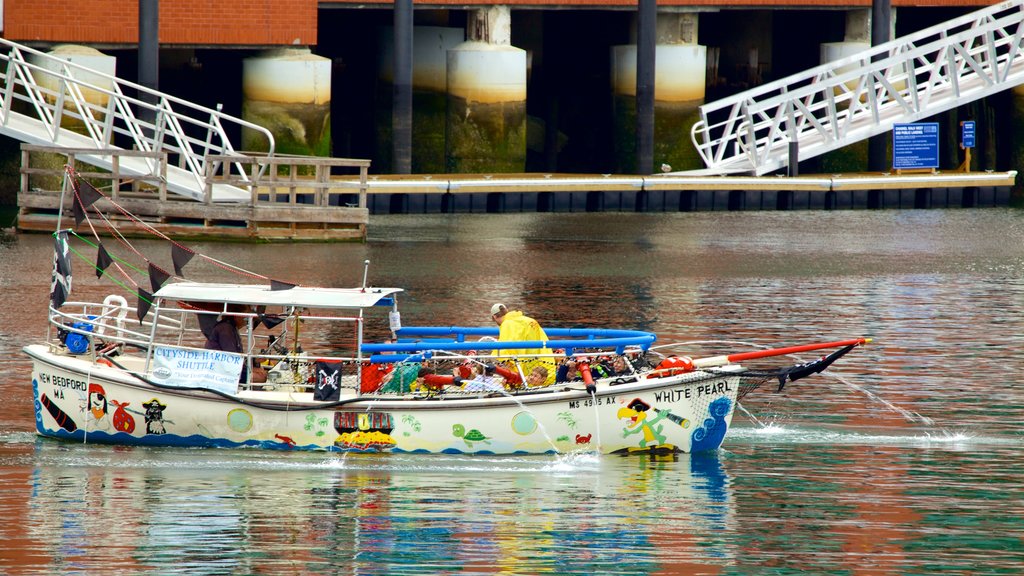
{"x":908,"y":460}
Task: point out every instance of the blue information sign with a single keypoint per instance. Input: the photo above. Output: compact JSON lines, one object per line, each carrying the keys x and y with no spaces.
{"x":915,"y":145}
{"x":967,"y":134}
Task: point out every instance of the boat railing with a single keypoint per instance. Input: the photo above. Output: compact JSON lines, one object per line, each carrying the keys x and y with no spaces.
{"x":106,"y":322}
{"x":569,"y":341}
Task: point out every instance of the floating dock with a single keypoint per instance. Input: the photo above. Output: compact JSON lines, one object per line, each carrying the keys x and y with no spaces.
{"x":501,"y":193}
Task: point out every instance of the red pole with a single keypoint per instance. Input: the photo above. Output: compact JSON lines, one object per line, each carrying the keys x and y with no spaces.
{"x":719,"y":360}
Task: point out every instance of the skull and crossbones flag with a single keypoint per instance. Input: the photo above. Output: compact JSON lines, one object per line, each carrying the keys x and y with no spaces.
{"x":60,"y":284}
{"x":327,"y":386}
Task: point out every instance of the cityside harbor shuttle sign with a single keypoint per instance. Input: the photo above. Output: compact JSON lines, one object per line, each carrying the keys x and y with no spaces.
{"x":211,"y":369}
{"x":915,"y":146}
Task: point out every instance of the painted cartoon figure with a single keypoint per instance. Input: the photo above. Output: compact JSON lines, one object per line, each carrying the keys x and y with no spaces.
{"x":155,"y":417}
{"x":97,"y":407}
{"x":469,"y":436}
{"x":636,"y":412}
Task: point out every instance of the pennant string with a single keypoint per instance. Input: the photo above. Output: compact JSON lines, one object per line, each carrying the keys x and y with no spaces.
{"x":83,"y":258}
{"x":97,"y":237}
{"x":113,"y":257}
{"x":93,"y":195}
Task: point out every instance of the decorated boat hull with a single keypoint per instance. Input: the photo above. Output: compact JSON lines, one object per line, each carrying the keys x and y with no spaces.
{"x":76,"y":399}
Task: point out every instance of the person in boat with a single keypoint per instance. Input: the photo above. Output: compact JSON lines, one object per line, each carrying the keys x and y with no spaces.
{"x":568,"y":371}
{"x":515,"y":326}
{"x":483,"y":379}
{"x":537,"y":377}
{"x":224,"y":336}
{"x":619,"y":367}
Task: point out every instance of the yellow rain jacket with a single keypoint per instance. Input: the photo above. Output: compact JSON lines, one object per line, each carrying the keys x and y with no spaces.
{"x":518,"y":326}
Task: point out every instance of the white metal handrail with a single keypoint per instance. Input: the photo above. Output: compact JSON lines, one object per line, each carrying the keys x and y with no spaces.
{"x":150,"y":121}
{"x":862,"y":95}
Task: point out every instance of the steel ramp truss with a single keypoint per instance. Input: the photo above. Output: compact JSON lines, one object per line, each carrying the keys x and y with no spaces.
{"x":865,"y":94}
{"x":133,"y":115}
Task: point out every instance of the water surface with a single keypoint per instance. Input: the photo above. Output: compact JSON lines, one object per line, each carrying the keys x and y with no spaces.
{"x":907,"y":460}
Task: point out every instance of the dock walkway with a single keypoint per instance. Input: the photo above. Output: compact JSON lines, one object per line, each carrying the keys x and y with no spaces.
{"x":499,"y":193}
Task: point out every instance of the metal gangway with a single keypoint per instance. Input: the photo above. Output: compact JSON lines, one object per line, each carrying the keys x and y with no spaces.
{"x":44,"y":96}
{"x":865,"y":94}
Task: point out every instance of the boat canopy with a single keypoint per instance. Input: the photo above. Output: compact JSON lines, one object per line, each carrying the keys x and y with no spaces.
{"x":263,"y":295}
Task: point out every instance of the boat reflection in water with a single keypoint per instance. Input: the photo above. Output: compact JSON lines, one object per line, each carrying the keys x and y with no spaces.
{"x":171,"y":509}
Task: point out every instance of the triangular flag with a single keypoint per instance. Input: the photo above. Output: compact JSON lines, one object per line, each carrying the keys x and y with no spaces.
{"x":144,"y":304}
{"x":157,"y":277}
{"x":270,"y":320}
{"x":60,"y":285}
{"x":89,"y":195}
{"x":278,"y":285}
{"x":180,"y":256}
{"x":103,"y":260}
{"x":79,"y":212}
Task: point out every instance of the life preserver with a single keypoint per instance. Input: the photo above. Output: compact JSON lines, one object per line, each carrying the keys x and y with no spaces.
{"x":110,"y":302}
{"x":672,"y":366}
{"x":105,"y":362}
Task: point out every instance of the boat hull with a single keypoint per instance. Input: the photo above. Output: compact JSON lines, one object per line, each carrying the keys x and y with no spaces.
{"x":78,"y":400}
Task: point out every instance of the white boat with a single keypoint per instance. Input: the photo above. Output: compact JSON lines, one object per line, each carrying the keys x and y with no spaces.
{"x":101,"y":376}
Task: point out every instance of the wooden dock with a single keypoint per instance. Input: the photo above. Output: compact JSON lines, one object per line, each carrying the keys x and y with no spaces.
{"x":291,"y":198}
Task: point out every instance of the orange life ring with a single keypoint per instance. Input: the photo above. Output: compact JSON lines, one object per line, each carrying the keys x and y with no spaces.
{"x":105,"y":362}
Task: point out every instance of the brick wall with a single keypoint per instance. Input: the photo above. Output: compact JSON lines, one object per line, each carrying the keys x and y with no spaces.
{"x":202,"y":22}
{"x":716,"y":3}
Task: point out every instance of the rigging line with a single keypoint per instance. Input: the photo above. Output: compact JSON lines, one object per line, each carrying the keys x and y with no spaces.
{"x":95,"y":235}
{"x":113,"y":229}
{"x":157,"y":233}
{"x":89,"y":261}
{"x":117,"y":234}
{"x":125,"y":262}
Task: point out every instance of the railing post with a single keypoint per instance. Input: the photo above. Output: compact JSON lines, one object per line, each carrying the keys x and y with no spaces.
{"x":363,"y":170}
{"x":25,"y":160}
{"x":207,"y":186}
{"x":320,"y":197}
{"x":115,"y":173}
{"x":292,"y":169}
{"x":163,"y":176}
{"x":254,"y":195}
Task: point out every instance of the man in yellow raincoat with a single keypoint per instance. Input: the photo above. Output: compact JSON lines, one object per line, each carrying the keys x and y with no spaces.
{"x":513,"y":326}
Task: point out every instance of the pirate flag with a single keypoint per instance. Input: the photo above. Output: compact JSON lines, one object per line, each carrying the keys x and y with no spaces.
{"x":60,"y":285}
{"x":327,"y":383}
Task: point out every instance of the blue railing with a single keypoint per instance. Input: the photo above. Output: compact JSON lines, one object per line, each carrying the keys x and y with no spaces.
{"x":411,"y":341}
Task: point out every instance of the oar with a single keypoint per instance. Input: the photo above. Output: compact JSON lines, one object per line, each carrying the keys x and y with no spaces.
{"x":741,"y":356}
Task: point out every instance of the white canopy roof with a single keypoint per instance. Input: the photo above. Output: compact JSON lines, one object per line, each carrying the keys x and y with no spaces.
{"x":302,"y":296}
